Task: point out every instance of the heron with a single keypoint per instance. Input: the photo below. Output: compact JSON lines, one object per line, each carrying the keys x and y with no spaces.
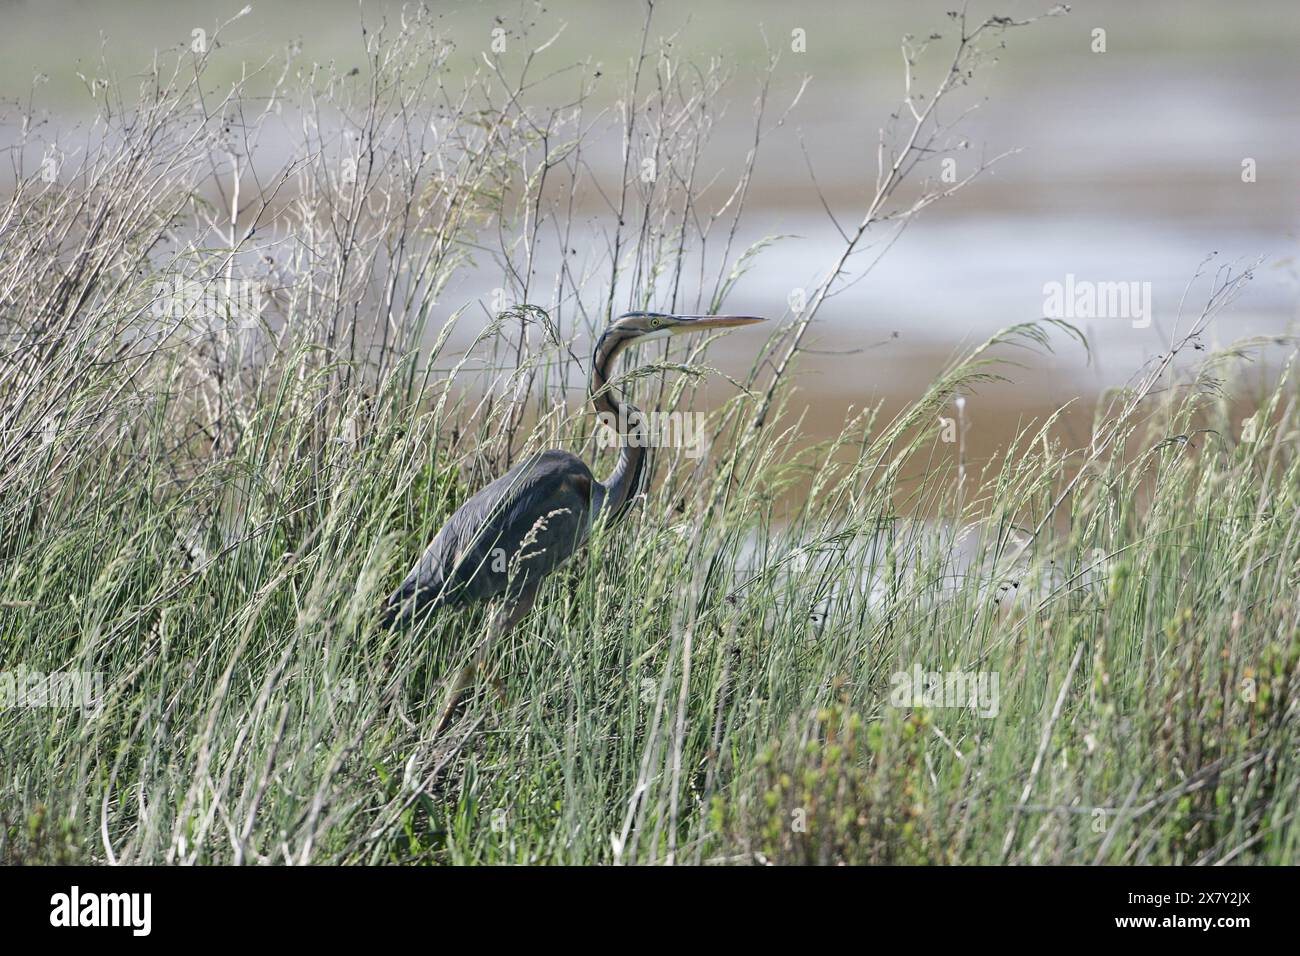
{"x":503,"y":542}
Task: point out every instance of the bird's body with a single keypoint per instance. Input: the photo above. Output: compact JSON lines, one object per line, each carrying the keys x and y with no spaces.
{"x":507,"y":537}
{"x":498,"y":543}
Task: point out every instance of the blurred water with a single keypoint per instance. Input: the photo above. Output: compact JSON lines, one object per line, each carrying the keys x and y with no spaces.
{"x":1130,"y":170}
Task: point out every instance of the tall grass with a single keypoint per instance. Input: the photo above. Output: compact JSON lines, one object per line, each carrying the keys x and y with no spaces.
{"x":209,"y":515}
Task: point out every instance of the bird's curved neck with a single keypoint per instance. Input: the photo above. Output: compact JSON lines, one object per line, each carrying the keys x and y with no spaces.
{"x":624,"y":483}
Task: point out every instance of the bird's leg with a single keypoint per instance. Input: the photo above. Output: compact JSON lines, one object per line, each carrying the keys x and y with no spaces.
{"x":503,"y":620}
{"x":499,"y":686}
{"x":458,"y":688}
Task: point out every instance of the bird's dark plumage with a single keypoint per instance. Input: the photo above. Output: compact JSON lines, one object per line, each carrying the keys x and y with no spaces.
{"x":500,"y":542}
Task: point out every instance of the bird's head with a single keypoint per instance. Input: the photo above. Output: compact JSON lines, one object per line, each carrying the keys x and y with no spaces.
{"x":647,"y":326}
{"x":633,"y":328}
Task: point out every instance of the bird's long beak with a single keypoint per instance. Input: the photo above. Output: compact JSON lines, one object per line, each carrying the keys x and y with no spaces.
{"x":694,"y":323}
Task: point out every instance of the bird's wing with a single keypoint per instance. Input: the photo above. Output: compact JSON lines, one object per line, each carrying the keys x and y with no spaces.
{"x":508,"y":536}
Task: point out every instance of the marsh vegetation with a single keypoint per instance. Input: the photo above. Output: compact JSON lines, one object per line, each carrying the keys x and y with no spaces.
{"x":204,"y":503}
